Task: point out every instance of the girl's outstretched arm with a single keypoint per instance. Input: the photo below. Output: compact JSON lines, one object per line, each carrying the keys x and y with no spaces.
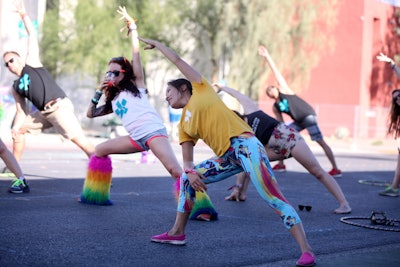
{"x":283,"y":86}
{"x":188,"y":71}
{"x":136,"y":61}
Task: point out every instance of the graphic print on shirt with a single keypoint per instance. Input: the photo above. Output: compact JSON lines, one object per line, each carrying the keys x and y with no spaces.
{"x":24,"y":82}
{"x":121,"y":108}
{"x":188,"y":115}
{"x":284,"y":105}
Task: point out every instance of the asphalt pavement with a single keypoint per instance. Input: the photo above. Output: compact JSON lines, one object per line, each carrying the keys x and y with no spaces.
{"x":48,"y":227}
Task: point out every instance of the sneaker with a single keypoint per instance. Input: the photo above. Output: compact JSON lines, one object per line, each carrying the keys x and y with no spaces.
{"x":19,"y":186}
{"x":335,"y":173}
{"x":306,"y":259}
{"x":165,"y":238}
{"x":390,"y":192}
{"x":279,"y":168}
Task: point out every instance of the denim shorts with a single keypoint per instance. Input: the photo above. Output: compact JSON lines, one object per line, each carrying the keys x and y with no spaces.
{"x":142,"y":143}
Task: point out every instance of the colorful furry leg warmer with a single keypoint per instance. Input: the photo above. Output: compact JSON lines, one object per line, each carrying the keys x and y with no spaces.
{"x":203,"y":208}
{"x":96,"y":189}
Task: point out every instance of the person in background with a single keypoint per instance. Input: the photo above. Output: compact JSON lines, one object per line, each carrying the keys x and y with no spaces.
{"x":34,"y":83}
{"x":206,"y":117}
{"x":394,"y":129}
{"x":303,"y":115}
{"x":280,"y":141}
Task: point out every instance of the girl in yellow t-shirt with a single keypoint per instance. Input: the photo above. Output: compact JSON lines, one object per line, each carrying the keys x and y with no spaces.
{"x":206,"y":117}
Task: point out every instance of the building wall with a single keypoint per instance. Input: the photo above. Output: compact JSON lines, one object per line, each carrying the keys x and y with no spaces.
{"x":349,"y":88}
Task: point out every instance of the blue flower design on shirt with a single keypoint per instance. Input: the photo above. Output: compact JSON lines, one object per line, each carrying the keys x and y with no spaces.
{"x":284,"y":106}
{"x":24,"y":82}
{"x":121,"y":109}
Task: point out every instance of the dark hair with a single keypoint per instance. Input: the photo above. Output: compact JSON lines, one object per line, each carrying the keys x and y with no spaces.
{"x":126,"y":84}
{"x":178,"y":83}
{"x":394,"y":117}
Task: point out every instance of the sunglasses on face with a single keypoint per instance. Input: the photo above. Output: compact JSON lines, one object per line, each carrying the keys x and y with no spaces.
{"x":113,"y":74}
{"x":302,"y":207}
{"x":8,"y":62}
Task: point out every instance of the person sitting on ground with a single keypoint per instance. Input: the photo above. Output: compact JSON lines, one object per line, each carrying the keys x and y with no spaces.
{"x":280,"y":141}
{"x":304,"y":116}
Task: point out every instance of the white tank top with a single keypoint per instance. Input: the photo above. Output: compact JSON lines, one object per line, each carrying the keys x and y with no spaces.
{"x":137,"y":115}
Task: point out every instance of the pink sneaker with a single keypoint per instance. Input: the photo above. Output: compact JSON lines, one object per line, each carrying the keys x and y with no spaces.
{"x":165,"y":238}
{"x":336,"y":173}
{"x":306,"y":259}
{"x":279,"y":168}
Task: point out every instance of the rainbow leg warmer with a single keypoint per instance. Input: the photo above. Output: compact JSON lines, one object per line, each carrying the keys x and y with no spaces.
{"x":96,"y":189}
{"x":202,"y":205}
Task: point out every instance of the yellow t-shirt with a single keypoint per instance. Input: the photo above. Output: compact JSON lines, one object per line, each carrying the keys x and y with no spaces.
{"x":206,"y":117}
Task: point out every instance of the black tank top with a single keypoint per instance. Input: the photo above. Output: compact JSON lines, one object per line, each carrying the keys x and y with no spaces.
{"x":37,"y":85}
{"x":294,"y":106}
{"x":262,"y":125}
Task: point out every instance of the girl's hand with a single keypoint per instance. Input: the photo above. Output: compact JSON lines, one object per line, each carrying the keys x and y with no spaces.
{"x":382,"y":57}
{"x":262,"y":51}
{"x":106,"y":84}
{"x":196,"y":183}
{"x":150,"y":43}
{"x":19,"y":6}
{"x":130,"y":22}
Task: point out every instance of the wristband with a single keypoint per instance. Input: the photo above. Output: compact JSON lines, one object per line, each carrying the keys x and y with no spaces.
{"x":192,"y":171}
{"x":97,"y":95}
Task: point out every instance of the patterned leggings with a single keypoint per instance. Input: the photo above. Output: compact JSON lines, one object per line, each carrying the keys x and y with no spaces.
{"x":247,"y":154}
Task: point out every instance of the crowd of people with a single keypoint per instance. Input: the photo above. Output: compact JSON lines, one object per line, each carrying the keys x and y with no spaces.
{"x":245,"y":146}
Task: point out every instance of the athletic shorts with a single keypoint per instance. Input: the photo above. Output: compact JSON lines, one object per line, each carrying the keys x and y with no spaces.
{"x":283,"y":139}
{"x":309,"y":123}
{"x":61,"y":116}
{"x":143,"y":143}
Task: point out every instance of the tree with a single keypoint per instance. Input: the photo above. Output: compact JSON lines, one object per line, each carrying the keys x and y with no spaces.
{"x":221,"y":36}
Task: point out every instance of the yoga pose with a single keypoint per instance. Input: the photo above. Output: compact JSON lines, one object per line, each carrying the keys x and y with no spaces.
{"x":304,"y":116}
{"x":126,"y":95}
{"x":206,"y":117}
{"x":34,"y":83}
{"x":280,"y":141}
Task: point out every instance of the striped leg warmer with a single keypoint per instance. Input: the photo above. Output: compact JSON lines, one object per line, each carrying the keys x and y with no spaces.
{"x":203,"y":207}
{"x":96,"y":189}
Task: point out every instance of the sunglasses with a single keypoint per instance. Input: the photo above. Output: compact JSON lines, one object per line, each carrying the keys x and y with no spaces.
{"x":8,"y":62}
{"x":113,"y":74}
{"x":302,"y":207}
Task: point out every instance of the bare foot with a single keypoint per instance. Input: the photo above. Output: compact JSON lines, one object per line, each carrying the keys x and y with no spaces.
{"x":343,"y":209}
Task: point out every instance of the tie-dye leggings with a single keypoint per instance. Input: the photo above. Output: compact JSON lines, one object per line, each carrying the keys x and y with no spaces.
{"x":247,"y":154}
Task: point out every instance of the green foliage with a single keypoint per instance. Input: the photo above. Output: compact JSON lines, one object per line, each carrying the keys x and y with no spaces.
{"x":219,"y":37}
